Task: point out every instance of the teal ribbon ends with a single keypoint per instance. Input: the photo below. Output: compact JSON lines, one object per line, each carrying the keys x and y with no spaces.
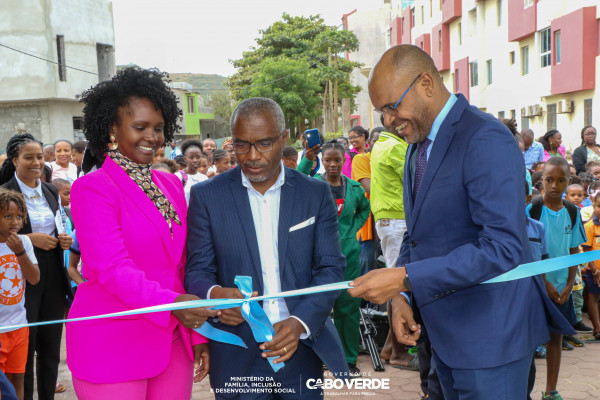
{"x":253,"y":314}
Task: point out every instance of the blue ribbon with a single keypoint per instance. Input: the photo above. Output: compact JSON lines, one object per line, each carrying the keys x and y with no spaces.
{"x":253,"y":314}
{"x":545,"y":266}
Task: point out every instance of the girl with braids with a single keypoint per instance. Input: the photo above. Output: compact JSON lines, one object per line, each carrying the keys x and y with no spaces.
{"x":353,"y":212}
{"x":21,"y":172}
{"x":192,"y":153}
{"x":131,"y":226}
{"x":552,"y":142}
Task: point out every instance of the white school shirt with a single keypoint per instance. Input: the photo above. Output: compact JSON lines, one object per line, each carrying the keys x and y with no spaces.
{"x":12,"y":284}
{"x":69,"y":173}
{"x":38,"y":209}
{"x":265,"y":214}
{"x":191,"y":181}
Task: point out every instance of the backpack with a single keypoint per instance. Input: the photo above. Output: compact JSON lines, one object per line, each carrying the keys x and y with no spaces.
{"x":537,"y":204}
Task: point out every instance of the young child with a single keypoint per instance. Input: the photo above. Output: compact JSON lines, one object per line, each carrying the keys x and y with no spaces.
{"x":593,"y":167}
{"x":592,"y":276}
{"x":586,"y":180}
{"x":222,"y":161}
{"x":587,"y":212}
{"x":17,"y":264}
{"x":575,"y":194}
{"x":64,"y":191}
{"x":290,"y":157}
{"x":563,"y":237}
{"x":203,"y":168}
{"x":62,"y":167}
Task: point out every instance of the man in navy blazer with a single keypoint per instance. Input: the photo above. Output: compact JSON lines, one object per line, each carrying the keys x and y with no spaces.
{"x":279,"y":227}
{"x":464,"y":205}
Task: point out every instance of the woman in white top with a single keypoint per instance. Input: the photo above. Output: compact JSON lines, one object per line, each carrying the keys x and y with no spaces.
{"x":192,"y":152}
{"x":62,"y":167}
{"x":45,"y":301}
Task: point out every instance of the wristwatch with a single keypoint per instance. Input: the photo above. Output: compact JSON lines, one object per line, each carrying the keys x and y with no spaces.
{"x":407,"y":283}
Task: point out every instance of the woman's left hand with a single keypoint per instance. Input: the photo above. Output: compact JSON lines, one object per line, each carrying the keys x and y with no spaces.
{"x":201,"y":361}
{"x":65,"y":241}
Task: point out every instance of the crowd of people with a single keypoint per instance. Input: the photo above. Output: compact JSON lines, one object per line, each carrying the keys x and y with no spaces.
{"x":127,"y":219}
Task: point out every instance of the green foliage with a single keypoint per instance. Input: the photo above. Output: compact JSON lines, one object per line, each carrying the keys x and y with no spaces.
{"x":222,"y":105}
{"x":204,"y":84}
{"x":296,"y":46}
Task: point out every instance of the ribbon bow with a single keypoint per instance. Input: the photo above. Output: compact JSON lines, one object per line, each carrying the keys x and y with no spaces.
{"x":253,"y":314}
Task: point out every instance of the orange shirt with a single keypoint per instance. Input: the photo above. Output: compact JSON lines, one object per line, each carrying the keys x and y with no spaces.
{"x":361,"y":168}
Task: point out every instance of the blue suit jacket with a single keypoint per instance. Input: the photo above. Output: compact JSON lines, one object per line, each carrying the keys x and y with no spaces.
{"x":468,"y":225}
{"x":222,"y":244}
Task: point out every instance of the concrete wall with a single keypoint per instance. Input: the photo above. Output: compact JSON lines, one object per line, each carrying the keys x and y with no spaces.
{"x":32,"y":26}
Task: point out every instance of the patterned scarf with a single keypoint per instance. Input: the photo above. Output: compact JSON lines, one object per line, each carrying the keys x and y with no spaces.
{"x":142,"y":176}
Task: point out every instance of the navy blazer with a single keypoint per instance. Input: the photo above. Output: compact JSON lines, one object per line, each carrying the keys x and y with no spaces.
{"x":222,"y":244}
{"x":468,"y":225}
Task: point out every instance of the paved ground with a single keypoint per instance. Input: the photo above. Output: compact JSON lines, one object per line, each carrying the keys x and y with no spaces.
{"x":579,"y":379}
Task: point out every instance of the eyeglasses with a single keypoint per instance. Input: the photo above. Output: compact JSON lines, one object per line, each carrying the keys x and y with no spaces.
{"x":353,"y":137}
{"x":262,"y":146}
{"x":391,"y":110}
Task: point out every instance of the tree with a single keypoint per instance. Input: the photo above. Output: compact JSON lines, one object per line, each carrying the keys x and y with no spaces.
{"x":222,"y":105}
{"x":302,"y":46}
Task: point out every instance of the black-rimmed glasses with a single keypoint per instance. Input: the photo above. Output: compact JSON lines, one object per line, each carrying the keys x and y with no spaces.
{"x":262,"y":146}
{"x":387,"y":109}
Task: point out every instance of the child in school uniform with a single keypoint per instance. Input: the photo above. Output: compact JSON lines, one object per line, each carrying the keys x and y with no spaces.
{"x":17,"y":264}
{"x":564,"y":233}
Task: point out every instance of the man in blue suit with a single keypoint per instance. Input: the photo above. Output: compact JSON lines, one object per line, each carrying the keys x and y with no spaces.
{"x":279,"y":227}
{"x":464,"y":206}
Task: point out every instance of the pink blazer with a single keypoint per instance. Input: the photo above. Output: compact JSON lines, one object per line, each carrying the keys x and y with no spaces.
{"x":130,"y":261}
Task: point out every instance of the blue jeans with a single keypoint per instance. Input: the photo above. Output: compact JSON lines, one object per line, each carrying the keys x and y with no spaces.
{"x":367,"y":256}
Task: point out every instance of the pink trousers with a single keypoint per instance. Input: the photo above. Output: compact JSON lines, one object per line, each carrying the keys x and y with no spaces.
{"x":175,"y":382}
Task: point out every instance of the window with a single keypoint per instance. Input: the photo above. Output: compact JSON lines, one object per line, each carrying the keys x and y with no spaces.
{"x":455,"y":80}
{"x":402,"y":25}
{"x":388,"y":38}
{"x":190,"y":105}
{"x":60,"y":51}
{"x":524,"y":123}
{"x":551,"y":117}
{"x":488,"y":64}
{"x":473,"y":73}
{"x":524,"y":60}
{"x":587,"y":112}
{"x":440,"y":40}
{"x":412,"y":17}
{"x":557,"y":44}
{"x":527,"y":3}
{"x":430,"y":8}
{"x":440,"y":5}
{"x":105,"y":55}
{"x":500,"y":114}
{"x":422,"y":15}
{"x":511,"y":57}
{"x":473,"y":22}
{"x":499,"y":12}
{"x":545,"y":47}
{"x":459,"y":33}
{"x":512,"y":114}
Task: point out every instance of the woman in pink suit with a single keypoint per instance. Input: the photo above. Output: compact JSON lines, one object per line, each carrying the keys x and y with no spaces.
{"x":131,"y":227}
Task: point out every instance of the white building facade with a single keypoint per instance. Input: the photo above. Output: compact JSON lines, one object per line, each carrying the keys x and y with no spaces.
{"x":50,"y":52}
{"x":531,"y":60}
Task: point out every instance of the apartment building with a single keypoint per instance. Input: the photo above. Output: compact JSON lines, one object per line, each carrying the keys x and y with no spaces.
{"x":532,"y":60}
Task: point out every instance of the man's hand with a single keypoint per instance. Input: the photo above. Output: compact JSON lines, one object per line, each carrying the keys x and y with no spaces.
{"x":564,"y":294}
{"x":552,"y":292}
{"x":311,"y":153}
{"x":285,"y":342}
{"x":229,"y":316}
{"x":65,"y":241}
{"x":14,"y":243}
{"x":192,"y":318}
{"x":379,"y":285}
{"x":406,"y":329}
{"x":201,"y":361}
{"x":43,"y":241}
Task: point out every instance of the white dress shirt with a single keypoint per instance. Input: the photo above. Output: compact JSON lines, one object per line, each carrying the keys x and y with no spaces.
{"x":265,"y":214}
{"x":38,"y":209}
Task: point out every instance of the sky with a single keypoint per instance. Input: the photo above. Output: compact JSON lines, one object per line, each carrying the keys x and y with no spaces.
{"x":200,"y":36}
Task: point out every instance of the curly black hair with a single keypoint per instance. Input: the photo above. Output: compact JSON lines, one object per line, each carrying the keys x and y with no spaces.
{"x":102,"y":102}
{"x":190,"y":143}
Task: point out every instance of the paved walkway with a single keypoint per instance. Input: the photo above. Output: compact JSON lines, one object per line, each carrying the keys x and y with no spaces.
{"x":579,"y":379}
